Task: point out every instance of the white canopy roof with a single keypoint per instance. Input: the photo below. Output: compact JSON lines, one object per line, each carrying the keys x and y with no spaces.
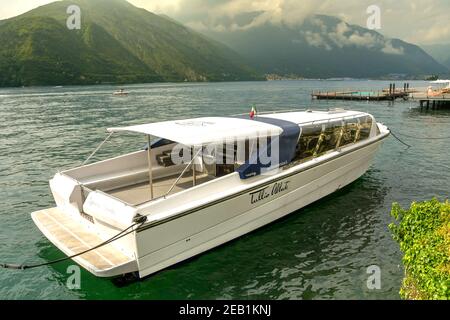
{"x":305,"y":117}
{"x":202,"y":131}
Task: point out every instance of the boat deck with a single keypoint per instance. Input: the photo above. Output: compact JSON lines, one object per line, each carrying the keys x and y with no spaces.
{"x":73,"y":237}
{"x":138,"y":194}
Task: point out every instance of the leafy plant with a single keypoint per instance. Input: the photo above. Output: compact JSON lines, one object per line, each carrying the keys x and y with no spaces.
{"x":423,"y":233}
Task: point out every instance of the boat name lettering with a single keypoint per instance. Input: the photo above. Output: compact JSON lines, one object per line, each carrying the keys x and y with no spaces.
{"x":268,"y":191}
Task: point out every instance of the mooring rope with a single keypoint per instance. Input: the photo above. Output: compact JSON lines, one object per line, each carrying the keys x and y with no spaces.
{"x":400,"y":140}
{"x":141,"y":220}
{"x":415,"y":138}
{"x":423,"y":138}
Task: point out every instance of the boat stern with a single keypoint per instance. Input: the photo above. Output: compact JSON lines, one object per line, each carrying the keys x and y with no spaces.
{"x":73,"y":236}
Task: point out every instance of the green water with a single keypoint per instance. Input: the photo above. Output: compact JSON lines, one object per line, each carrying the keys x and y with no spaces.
{"x":319,"y":252}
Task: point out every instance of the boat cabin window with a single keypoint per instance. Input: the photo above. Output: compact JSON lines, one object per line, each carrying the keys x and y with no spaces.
{"x":329,"y":138}
{"x":366,"y":126}
{"x":350,"y":132}
{"x":307,"y":144}
{"x":318,"y":139}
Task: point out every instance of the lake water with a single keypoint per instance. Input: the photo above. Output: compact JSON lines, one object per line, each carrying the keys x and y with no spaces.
{"x":320,"y":252}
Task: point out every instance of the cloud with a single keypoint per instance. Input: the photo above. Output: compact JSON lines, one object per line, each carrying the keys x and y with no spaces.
{"x":434,"y":33}
{"x":342,"y":35}
{"x":390,"y":49}
{"x":212,"y":12}
{"x":417,"y":21}
{"x":10,"y":9}
{"x":316,"y":40}
{"x":429,"y":17}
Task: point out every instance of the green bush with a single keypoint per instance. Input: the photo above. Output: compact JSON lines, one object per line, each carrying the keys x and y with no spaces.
{"x":423,"y":233}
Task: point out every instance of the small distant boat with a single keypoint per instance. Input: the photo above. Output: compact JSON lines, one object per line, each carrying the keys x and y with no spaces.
{"x":168,"y":211}
{"x":121,"y":92}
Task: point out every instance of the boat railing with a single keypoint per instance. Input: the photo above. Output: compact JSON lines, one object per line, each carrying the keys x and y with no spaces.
{"x":97,"y":149}
{"x":308,"y":122}
{"x":326,"y":121}
{"x":269,"y":112}
{"x":183,"y":172}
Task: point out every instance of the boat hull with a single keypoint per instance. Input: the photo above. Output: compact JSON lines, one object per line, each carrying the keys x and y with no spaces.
{"x":164,"y":244}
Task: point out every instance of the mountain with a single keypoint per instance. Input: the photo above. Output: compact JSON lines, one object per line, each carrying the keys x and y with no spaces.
{"x":322,"y":47}
{"x":117,"y":43}
{"x":441,"y":52}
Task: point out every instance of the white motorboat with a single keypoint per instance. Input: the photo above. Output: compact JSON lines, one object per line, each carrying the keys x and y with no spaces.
{"x":121,"y":93}
{"x":204,"y":182}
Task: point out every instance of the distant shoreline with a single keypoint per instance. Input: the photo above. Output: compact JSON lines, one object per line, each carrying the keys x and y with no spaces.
{"x":60,"y":86}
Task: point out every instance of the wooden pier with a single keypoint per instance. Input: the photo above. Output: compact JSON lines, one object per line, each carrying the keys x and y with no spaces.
{"x":434,"y":102}
{"x":358,"y":95}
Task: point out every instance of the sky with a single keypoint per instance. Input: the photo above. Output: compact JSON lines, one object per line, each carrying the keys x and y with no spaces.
{"x":416,"y":21}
